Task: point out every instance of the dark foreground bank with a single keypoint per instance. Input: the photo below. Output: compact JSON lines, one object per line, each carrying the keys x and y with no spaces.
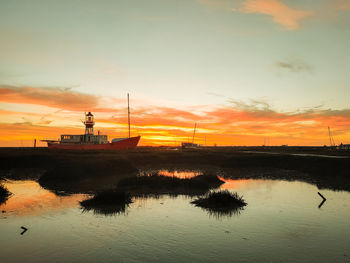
{"x":87,"y":171}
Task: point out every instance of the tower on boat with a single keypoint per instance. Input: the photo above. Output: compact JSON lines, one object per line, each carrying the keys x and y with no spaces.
{"x":90,"y":141}
{"x":89,"y":137}
{"x":89,"y":124}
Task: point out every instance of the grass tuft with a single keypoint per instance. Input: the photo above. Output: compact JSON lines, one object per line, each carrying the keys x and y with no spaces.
{"x":108,"y":202}
{"x":4,"y":194}
{"x":221,"y":202}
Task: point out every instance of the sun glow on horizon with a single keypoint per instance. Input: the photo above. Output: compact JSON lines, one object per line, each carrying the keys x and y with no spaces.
{"x":162,"y":126}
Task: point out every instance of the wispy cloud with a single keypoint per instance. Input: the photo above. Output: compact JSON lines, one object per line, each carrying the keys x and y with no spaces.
{"x":281,"y":13}
{"x":294,"y":65}
{"x":253,"y":105}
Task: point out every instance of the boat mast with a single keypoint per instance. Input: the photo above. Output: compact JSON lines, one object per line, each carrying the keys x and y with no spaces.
{"x":331,"y":139}
{"x":128,"y":115}
{"x":194,"y":132}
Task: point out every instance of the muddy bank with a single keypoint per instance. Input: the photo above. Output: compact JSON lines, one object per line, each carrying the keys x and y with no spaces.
{"x":325,"y":173}
{"x":85,"y":171}
{"x":155,"y":185}
{"x":80,"y":175}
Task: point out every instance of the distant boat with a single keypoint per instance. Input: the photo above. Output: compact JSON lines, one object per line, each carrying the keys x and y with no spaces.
{"x":89,"y":141}
{"x":187,"y":145}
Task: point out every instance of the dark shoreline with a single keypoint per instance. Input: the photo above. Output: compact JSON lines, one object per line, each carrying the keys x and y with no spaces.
{"x":88,"y":171}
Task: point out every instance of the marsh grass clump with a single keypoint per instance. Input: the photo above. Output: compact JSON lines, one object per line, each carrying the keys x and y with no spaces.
{"x":4,"y":194}
{"x":156,"y":184}
{"x":221,"y":203}
{"x":108,"y":202}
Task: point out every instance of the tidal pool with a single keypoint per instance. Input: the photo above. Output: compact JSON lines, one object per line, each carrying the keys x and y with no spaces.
{"x":282,"y":223}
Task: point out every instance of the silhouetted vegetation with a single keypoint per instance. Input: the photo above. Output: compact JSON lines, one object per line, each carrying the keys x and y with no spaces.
{"x":86,"y":171}
{"x":4,"y":194}
{"x":79,"y":175}
{"x":221,"y":203}
{"x":108,"y":202}
{"x":329,"y":173}
{"x":156,"y":184}
{"x":116,"y":201}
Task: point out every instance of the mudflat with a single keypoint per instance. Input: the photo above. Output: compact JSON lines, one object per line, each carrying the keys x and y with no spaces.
{"x":86,"y":171}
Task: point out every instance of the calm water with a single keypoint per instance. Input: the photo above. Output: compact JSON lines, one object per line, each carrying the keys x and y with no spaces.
{"x":302,"y":154}
{"x":282,"y":223}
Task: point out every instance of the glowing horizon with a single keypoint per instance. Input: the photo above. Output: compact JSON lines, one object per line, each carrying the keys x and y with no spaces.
{"x":236,"y":124}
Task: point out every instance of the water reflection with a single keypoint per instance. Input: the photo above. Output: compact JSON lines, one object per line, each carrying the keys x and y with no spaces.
{"x":106,"y":210}
{"x":116,"y":200}
{"x":223,"y":213}
{"x":29,"y":199}
{"x":219,"y":208}
{"x":282,"y":220}
{"x":182,"y":174}
{"x":179,"y":174}
{"x":231,"y":184}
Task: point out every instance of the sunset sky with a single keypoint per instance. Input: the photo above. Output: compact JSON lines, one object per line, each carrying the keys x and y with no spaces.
{"x":247,"y":71}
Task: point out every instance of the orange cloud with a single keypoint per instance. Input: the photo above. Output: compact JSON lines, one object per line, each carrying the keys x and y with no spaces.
{"x":63,"y":98}
{"x":239,"y":123}
{"x":282,"y":14}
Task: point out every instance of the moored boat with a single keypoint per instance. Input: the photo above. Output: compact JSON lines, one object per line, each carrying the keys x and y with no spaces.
{"x":89,"y":141}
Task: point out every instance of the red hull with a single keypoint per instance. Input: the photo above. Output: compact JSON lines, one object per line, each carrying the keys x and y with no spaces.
{"x":129,"y":143}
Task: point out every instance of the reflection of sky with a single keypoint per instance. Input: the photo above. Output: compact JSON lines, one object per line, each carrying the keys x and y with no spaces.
{"x":281,"y":222}
{"x":238,"y":184}
{"x":179,"y":174}
{"x":29,"y":199}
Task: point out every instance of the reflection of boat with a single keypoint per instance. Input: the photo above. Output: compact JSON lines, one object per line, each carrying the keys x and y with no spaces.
{"x":89,"y":141}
